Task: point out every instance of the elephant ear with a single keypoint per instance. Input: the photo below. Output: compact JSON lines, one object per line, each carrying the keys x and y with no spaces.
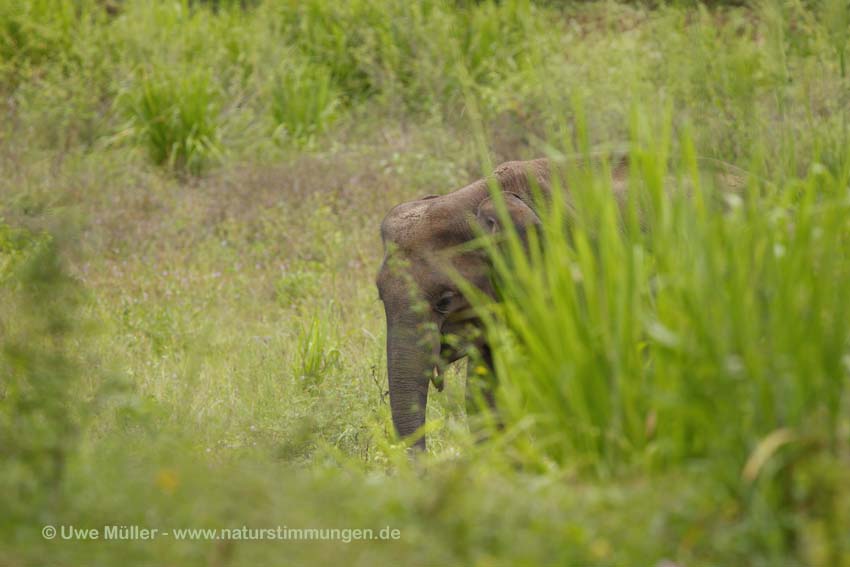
{"x":520,"y":214}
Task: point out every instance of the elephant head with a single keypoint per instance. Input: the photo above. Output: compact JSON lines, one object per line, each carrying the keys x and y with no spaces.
{"x":422,"y":302}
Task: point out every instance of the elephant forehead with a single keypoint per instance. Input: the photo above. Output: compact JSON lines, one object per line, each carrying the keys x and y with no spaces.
{"x":427,"y":225}
{"x":407,"y":214}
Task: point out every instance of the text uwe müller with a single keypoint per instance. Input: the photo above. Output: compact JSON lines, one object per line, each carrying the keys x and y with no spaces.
{"x":129,"y":532}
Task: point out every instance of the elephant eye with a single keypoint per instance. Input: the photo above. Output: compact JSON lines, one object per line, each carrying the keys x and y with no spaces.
{"x":444,"y":302}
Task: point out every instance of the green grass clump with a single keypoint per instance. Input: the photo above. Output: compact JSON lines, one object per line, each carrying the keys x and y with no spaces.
{"x":176,"y":118}
{"x":316,"y":353}
{"x":303,"y":103}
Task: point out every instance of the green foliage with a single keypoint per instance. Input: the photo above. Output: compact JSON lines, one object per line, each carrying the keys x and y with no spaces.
{"x":836,"y":15}
{"x":295,"y":286}
{"x":303,"y":103}
{"x":176,"y":119}
{"x":16,"y":245}
{"x":698,"y":335}
{"x":316,"y":354}
{"x":39,"y":32}
{"x":218,"y":5}
{"x":421,"y":53}
{"x":689,"y":370}
{"x":38,"y":424}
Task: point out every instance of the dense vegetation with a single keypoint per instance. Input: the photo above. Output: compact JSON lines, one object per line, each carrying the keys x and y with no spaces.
{"x":190,"y":336}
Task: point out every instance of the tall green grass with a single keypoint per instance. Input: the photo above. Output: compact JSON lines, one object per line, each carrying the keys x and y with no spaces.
{"x":676,"y":331}
{"x":290,"y":70}
{"x":176,"y":119}
{"x":303,"y":103}
{"x":316,"y":351}
{"x":285,"y":71}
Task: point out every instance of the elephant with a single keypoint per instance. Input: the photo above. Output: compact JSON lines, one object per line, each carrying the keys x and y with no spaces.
{"x":423,"y":304}
{"x":423,"y":245}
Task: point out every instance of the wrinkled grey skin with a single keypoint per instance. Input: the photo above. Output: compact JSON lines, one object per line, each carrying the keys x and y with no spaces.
{"x":423,"y":306}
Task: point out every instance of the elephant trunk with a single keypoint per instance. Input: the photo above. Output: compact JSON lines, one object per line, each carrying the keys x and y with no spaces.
{"x":411,"y":351}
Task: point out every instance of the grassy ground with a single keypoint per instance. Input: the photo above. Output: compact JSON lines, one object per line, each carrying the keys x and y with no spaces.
{"x":192,"y":338}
